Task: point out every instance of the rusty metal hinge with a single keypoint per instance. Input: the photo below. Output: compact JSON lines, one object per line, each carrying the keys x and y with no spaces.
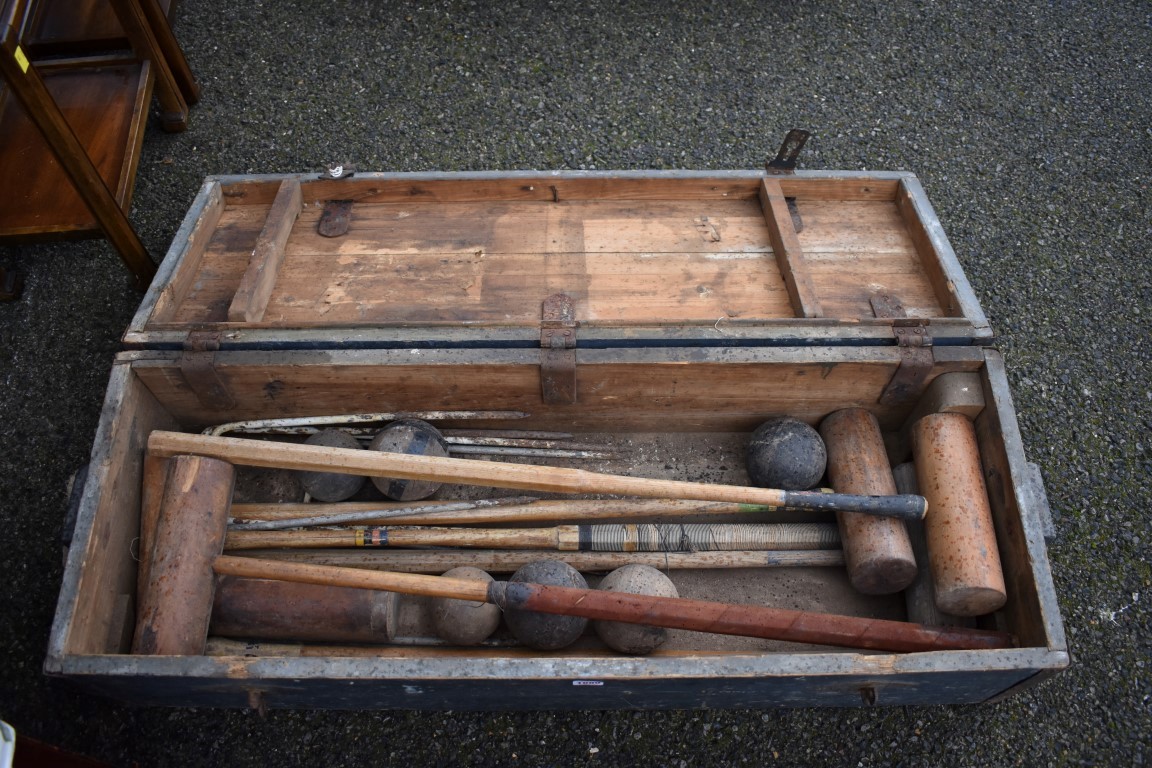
{"x":335,"y":218}
{"x":785,"y":161}
{"x":914,"y":339}
{"x":198,"y":366}
{"x":558,"y":350}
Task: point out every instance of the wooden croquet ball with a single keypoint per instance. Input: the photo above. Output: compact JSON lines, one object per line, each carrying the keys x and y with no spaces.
{"x":635,"y":579}
{"x":464,"y":622}
{"x":786,"y":453}
{"x":415,"y":437}
{"x":543,"y":631}
{"x":331,"y":486}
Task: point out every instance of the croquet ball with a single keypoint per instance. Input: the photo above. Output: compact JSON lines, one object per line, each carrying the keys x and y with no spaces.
{"x":414,"y":437}
{"x":545,"y":631}
{"x":635,"y":579}
{"x":331,"y":486}
{"x":786,"y":453}
{"x":464,"y":622}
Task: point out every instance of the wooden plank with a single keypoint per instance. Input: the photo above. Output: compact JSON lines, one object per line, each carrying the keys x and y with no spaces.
{"x":847,"y":285}
{"x":523,"y":227}
{"x":363,"y":281}
{"x":864,"y":227}
{"x":508,"y":561}
{"x":789,"y":254}
{"x":462,"y":683}
{"x":421,"y":648}
{"x":841,"y":187}
{"x":694,"y":389}
{"x":252,"y":296}
{"x":474,"y":287}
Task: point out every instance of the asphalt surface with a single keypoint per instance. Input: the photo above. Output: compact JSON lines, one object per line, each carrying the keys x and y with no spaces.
{"x":1029,"y":128}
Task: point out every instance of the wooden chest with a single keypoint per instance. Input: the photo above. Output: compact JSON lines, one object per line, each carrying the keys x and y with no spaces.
{"x":698,"y":305}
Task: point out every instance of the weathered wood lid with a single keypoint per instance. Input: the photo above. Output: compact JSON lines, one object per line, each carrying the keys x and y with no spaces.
{"x":739,"y":258}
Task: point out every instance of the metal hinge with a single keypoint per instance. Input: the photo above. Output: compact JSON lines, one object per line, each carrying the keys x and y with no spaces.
{"x":558,"y":350}
{"x":914,"y":338}
{"x":785,"y":161}
{"x":335,"y":218}
{"x":198,"y":366}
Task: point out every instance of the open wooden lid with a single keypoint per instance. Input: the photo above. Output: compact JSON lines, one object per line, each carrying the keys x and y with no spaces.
{"x":736,"y":258}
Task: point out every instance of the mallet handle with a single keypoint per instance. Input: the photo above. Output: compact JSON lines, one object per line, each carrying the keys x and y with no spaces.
{"x":523,"y":476}
{"x":641,"y":537}
{"x":678,"y":613}
{"x":509,"y":560}
{"x":295,"y":514}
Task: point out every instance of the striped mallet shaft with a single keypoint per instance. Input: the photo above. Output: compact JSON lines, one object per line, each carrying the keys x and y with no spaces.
{"x":631,"y":537}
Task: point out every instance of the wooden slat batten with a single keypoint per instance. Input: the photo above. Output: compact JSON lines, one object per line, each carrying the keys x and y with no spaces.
{"x":624,"y":390}
{"x":251,"y":299}
{"x":398,"y":678}
{"x":789,"y":255}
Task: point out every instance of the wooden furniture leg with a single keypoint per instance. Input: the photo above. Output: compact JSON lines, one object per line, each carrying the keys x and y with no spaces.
{"x":26,"y":85}
{"x":174,"y":115}
{"x":171,"y":50}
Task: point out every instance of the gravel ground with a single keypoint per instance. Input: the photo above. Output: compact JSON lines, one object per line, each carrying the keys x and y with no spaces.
{"x":1029,"y":129}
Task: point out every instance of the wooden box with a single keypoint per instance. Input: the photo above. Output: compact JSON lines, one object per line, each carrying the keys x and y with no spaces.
{"x":701,"y":304}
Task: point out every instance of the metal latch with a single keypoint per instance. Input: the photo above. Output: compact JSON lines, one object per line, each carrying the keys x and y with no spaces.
{"x":558,"y":350}
{"x":335,"y":218}
{"x":198,"y":366}
{"x":914,"y":338}
{"x":785,"y":160}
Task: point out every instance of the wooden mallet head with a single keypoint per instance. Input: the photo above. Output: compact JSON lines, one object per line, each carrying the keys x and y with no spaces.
{"x":176,"y":599}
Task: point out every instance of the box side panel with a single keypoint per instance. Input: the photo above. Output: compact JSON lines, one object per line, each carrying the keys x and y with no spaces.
{"x":1032,"y":611}
{"x":607,"y":682}
{"x":673,"y":389}
{"x":699,"y":693}
{"x":94,"y":613}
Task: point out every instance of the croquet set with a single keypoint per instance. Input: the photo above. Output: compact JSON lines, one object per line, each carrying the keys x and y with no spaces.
{"x":559,"y":441}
